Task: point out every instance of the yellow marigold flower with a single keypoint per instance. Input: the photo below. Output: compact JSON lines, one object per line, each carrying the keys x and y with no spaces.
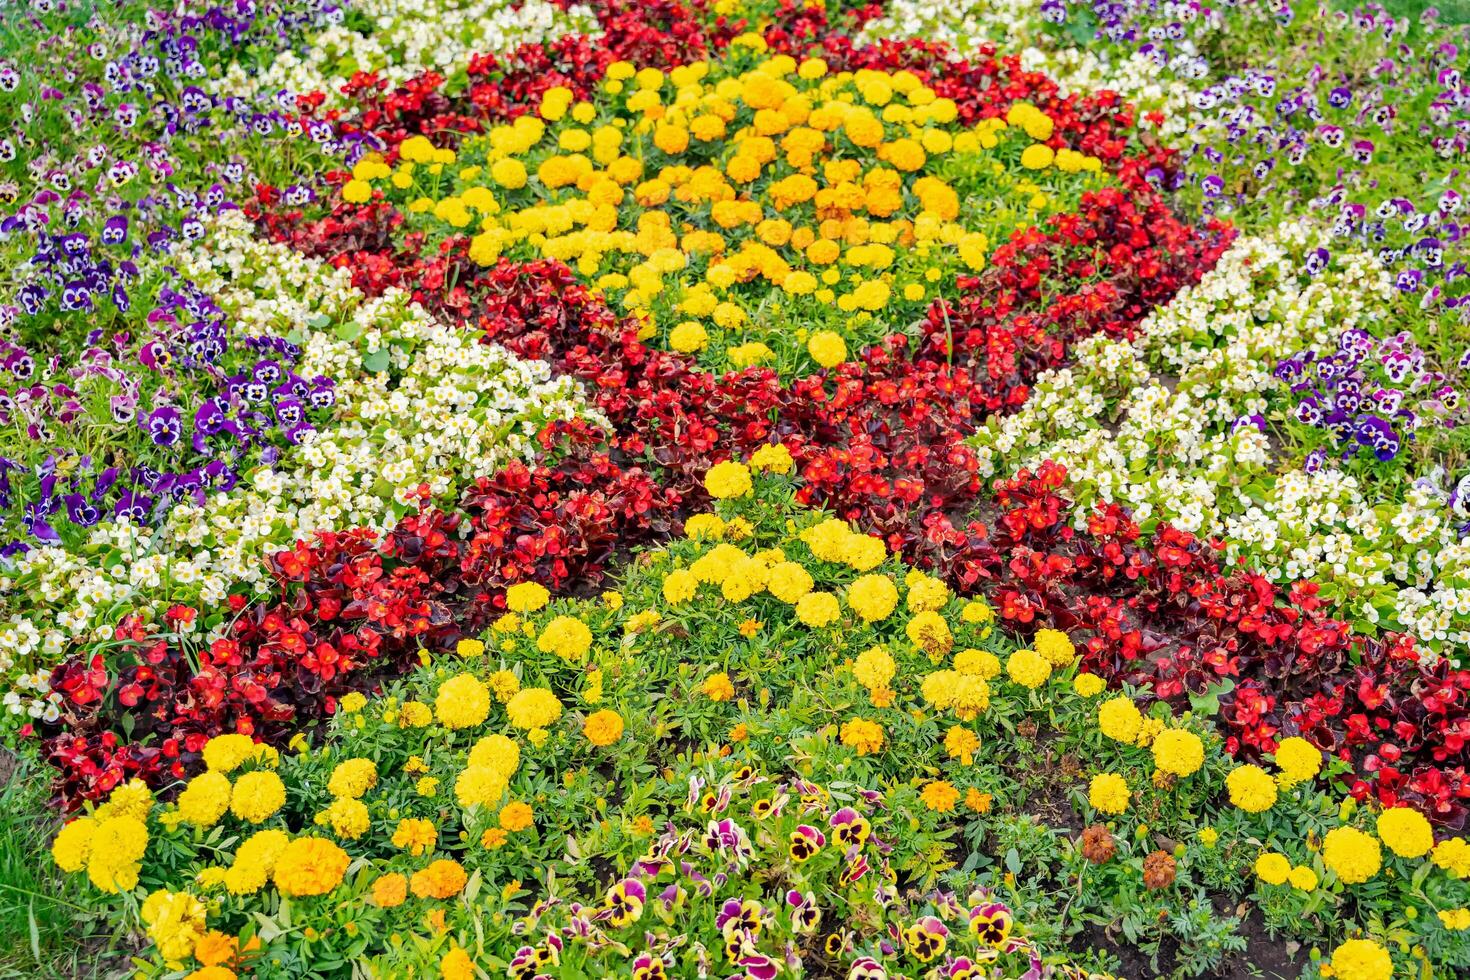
{"x":827,"y":347}
{"x":704,"y":527}
{"x":352,"y":702}
{"x":73,"y":844}
{"x":494,"y":837}
{"x":353,"y":778}
{"x":463,"y":701}
{"x":509,"y":174}
{"x":1361,"y":959}
{"x":524,"y":597}
{"x":772,"y":458}
{"x":175,"y":922}
{"x":427,"y":786}
{"x":565,"y":636}
{"x":818,"y":609}
{"x":689,"y":337}
{"x":977,"y":801}
{"x":1456,"y":919}
{"x":1405,"y":831}
{"x":940,"y":796}
{"x":255,"y":859}
{"x":1453,"y":856}
{"x":872,"y":597}
{"x":967,"y":694}
{"x":497,"y":752}
{"x":1055,"y":646}
{"x":961,"y":744}
{"x":212,"y":973}
{"x":117,"y":847}
{"x":225,"y":753}
{"x":680,"y":586}
{"x":257,"y":796}
{"x":516,"y":816}
{"x":864,"y":552}
{"x":441,"y":879}
{"x":1352,"y":854}
{"x":309,"y":866}
{"x":205,"y":799}
{"x":1251,"y":789}
{"x":1037,"y":156}
{"x":874,"y":668}
{"x":1209,"y":836}
{"x":1120,"y":719}
{"x":717,"y":687}
{"x":414,"y":714}
{"x":1108,"y":793}
{"x":357,"y":192}
{"x":390,"y":890}
{"x":980,"y":663}
{"x":1178,"y":751}
{"x":788,"y":581}
{"x":603,"y":728}
{"x":479,"y":786}
{"x":504,"y":684}
{"x":347,"y":817}
{"x":929,"y":632}
{"x":1089,"y":685}
{"x":863,"y":736}
{"x":1303,"y":878}
{"x":1273,"y":868}
{"x":415,"y":835}
{"x":1028,"y":668}
{"x":215,"y":947}
{"x":728,"y":479}
{"x":1298,"y":760}
{"x":457,"y":965}
{"x":533,"y":707}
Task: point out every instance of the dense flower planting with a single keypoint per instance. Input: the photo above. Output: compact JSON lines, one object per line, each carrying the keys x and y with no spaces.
{"x":738,"y":488}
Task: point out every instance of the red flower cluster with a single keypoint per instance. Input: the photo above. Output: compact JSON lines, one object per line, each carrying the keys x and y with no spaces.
{"x":1158,"y":611}
{"x":350,"y":609}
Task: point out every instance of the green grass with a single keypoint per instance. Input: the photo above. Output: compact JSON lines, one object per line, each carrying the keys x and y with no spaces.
{"x":49,"y":925}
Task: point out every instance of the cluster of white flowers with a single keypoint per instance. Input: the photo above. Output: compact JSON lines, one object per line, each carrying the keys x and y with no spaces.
{"x":404,"y":38}
{"x":1151,"y":424}
{"x":963,"y":25}
{"x":445,"y":410}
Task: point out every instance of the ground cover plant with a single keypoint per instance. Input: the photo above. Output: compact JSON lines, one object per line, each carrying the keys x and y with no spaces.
{"x":736,"y":488}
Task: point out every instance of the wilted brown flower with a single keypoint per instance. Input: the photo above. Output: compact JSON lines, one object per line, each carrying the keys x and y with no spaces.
{"x":1097,"y":844}
{"x":1158,"y":870}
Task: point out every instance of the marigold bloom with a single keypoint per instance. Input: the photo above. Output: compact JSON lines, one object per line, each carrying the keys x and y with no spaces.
{"x":1405,"y":831}
{"x":940,"y":796}
{"x":309,"y":866}
{"x":463,"y":701}
{"x":1353,"y":855}
{"x":863,"y":736}
{"x":1361,"y":959}
{"x":1251,"y":789}
{"x":603,"y":728}
{"x":441,"y":879}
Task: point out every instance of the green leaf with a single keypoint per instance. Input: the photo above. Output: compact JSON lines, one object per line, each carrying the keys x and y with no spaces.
{"x":36,"y":931}
{"x":1208,"y":703}
{"x":1013,"y":861}
{"x":377,"y":361}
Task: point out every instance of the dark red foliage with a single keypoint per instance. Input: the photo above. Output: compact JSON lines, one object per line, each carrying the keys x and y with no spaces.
{"x":349,"y":609}
{"x":1159,"y":611}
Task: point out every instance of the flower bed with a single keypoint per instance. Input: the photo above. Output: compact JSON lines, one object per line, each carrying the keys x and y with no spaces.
{"x":740,"y":488}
